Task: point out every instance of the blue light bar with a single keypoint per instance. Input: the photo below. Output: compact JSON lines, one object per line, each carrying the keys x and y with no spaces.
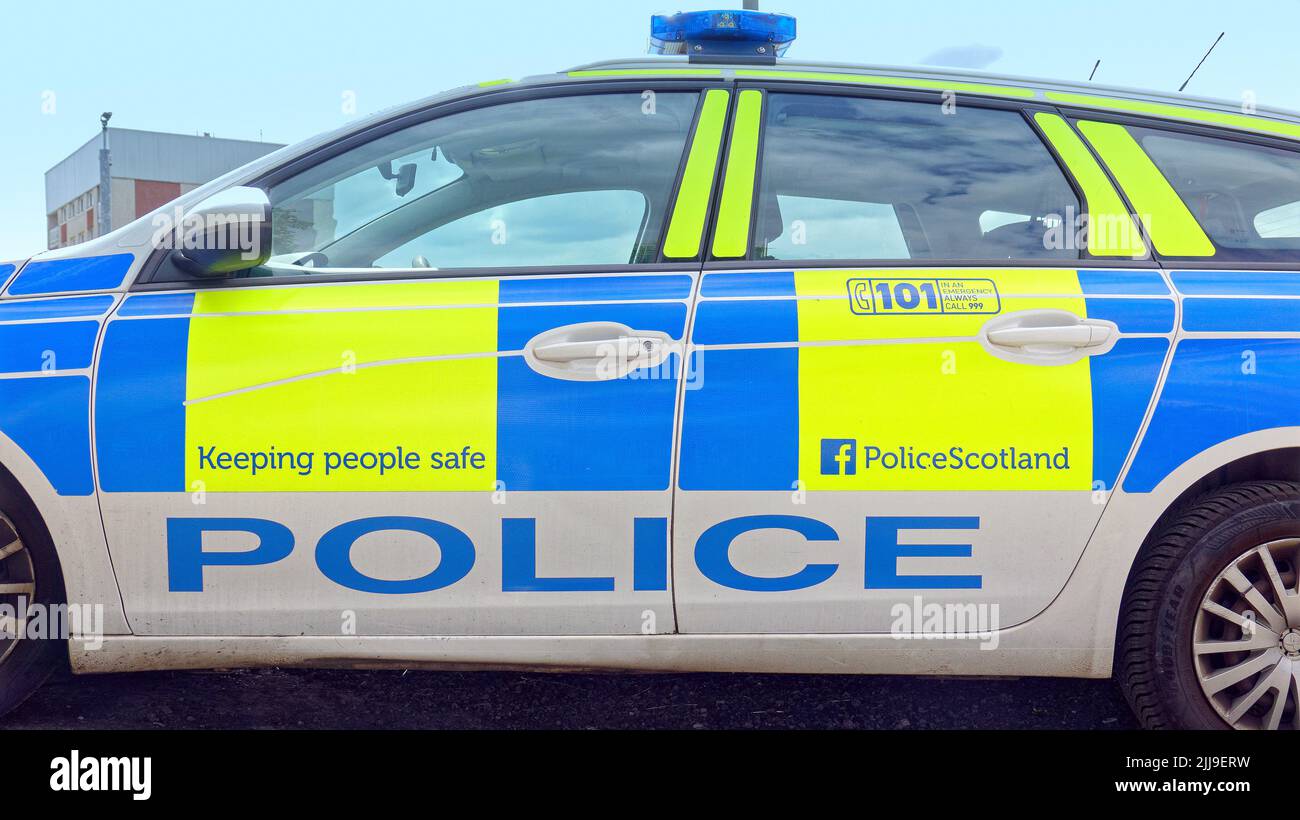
{"x":721,"y":32}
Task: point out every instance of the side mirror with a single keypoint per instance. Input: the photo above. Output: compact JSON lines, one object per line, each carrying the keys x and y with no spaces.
{"x":224,"y":234}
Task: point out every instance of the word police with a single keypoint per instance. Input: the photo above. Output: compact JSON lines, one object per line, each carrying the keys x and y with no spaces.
{"x":186,"y":558}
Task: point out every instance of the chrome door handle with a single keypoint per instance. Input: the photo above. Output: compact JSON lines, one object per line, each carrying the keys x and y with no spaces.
{"x":629,"y":347}
{"x":595,"y":351}
{"x":1083,"y":334}
{"x":1047,"y":336}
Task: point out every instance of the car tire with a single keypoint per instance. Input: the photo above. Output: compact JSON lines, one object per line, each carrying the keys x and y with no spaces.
{"x":1189,"y":587}
{"x":27,"y":663}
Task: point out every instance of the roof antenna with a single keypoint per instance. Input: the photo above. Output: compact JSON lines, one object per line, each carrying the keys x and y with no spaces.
{"x":1094,"y":70}
{"x":1198,"y":65}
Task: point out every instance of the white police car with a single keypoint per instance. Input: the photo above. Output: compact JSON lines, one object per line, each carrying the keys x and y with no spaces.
{"x":696,"y":362}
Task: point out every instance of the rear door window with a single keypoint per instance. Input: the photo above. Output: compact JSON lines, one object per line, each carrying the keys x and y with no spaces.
{"x":861,"y":179}
{"x":1245,"y":196}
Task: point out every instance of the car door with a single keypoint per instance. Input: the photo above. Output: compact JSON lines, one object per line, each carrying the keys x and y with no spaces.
{"x":446,"y":406}
{"x":1225,"y":221}
{"x":926,"y":353}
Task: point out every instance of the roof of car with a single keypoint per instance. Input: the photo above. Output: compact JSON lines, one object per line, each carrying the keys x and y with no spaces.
{"x":1227,"y":113}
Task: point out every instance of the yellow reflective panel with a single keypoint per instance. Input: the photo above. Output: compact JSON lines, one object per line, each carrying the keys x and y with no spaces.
{"x":921,"y":384}
{"x":731,"y":237}
{"x":352,"y":419}
{"x":245,"y":337}
{"x":998,"y":412}
{"x":1111,"y":230}
{"x":1171,"y":226}
{"x":358,"y":371}
{"x":686,"y":229}
{"x":347,"y":296}
{"x":1260,"y":124}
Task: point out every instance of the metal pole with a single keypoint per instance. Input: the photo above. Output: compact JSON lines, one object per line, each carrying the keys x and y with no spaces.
{"x":104,"y":221}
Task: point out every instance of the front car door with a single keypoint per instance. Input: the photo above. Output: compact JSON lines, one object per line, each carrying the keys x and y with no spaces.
{"x":447,"y":404}
{"x":918,"y":386}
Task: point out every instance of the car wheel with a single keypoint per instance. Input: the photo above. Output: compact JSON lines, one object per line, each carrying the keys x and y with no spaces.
{"x":29,"y":573}
{"x":1210,"y":626}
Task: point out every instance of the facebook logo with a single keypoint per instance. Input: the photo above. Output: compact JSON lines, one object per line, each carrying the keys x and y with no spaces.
{"x":839,"y":456}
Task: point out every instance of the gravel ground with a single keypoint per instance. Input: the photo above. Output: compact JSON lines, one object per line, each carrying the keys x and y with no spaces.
{"x":317,"y":699}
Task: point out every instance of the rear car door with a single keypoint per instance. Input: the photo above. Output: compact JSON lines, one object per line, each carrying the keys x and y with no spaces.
{"x":1224,"y":211}
{"x":921,"y":378}
{"x":447,"y":404}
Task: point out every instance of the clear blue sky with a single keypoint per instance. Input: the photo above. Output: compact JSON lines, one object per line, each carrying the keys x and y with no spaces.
{"x":279,"y":71}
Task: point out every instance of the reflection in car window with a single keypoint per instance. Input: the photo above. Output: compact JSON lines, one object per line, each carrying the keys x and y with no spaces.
{"x":1280,"y":222}
{"x":840,"y":228}
{"x":1244,"y":196}
{"x":884,"y":170}
{"x":582,"y":180}
{"x":579,"y":228}
{"x":355,"y":200}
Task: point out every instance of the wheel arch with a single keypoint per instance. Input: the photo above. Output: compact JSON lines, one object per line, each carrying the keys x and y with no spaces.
{"x":1086,"y":614}
{"x":1262,"y":456}
{"x":76,"y":533}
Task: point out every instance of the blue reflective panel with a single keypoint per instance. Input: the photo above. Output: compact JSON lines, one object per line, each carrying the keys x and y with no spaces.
{"x":70,"y":308}
{"x":68,"y":275}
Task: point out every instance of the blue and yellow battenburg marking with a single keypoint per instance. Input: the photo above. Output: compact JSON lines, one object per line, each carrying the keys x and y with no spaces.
{"x":794,"y":360}
{"x":1220,"y":388}
{"x":46,"y":350}
{"x":890,"y":359}
{"x":428,"y":367}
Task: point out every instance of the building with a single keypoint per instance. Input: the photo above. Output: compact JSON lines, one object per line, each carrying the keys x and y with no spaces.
{"x":149,"y":169}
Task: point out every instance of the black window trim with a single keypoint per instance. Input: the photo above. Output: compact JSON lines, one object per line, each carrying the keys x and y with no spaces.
{"x":144,"y":282}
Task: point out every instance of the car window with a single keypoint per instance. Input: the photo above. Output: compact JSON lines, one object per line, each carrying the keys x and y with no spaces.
{"x":579,"y":228}
{"x":582,"y":180}
{"x":849,"y":178}
{"x":355,"y":200}
{"x":839,"y":228}
{"x":996,"y":219}
{"x":1246,"y":197}
{"x":1282,"y":222}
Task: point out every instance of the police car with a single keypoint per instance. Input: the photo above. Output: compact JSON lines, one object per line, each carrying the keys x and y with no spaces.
{"x":703,"y":361}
